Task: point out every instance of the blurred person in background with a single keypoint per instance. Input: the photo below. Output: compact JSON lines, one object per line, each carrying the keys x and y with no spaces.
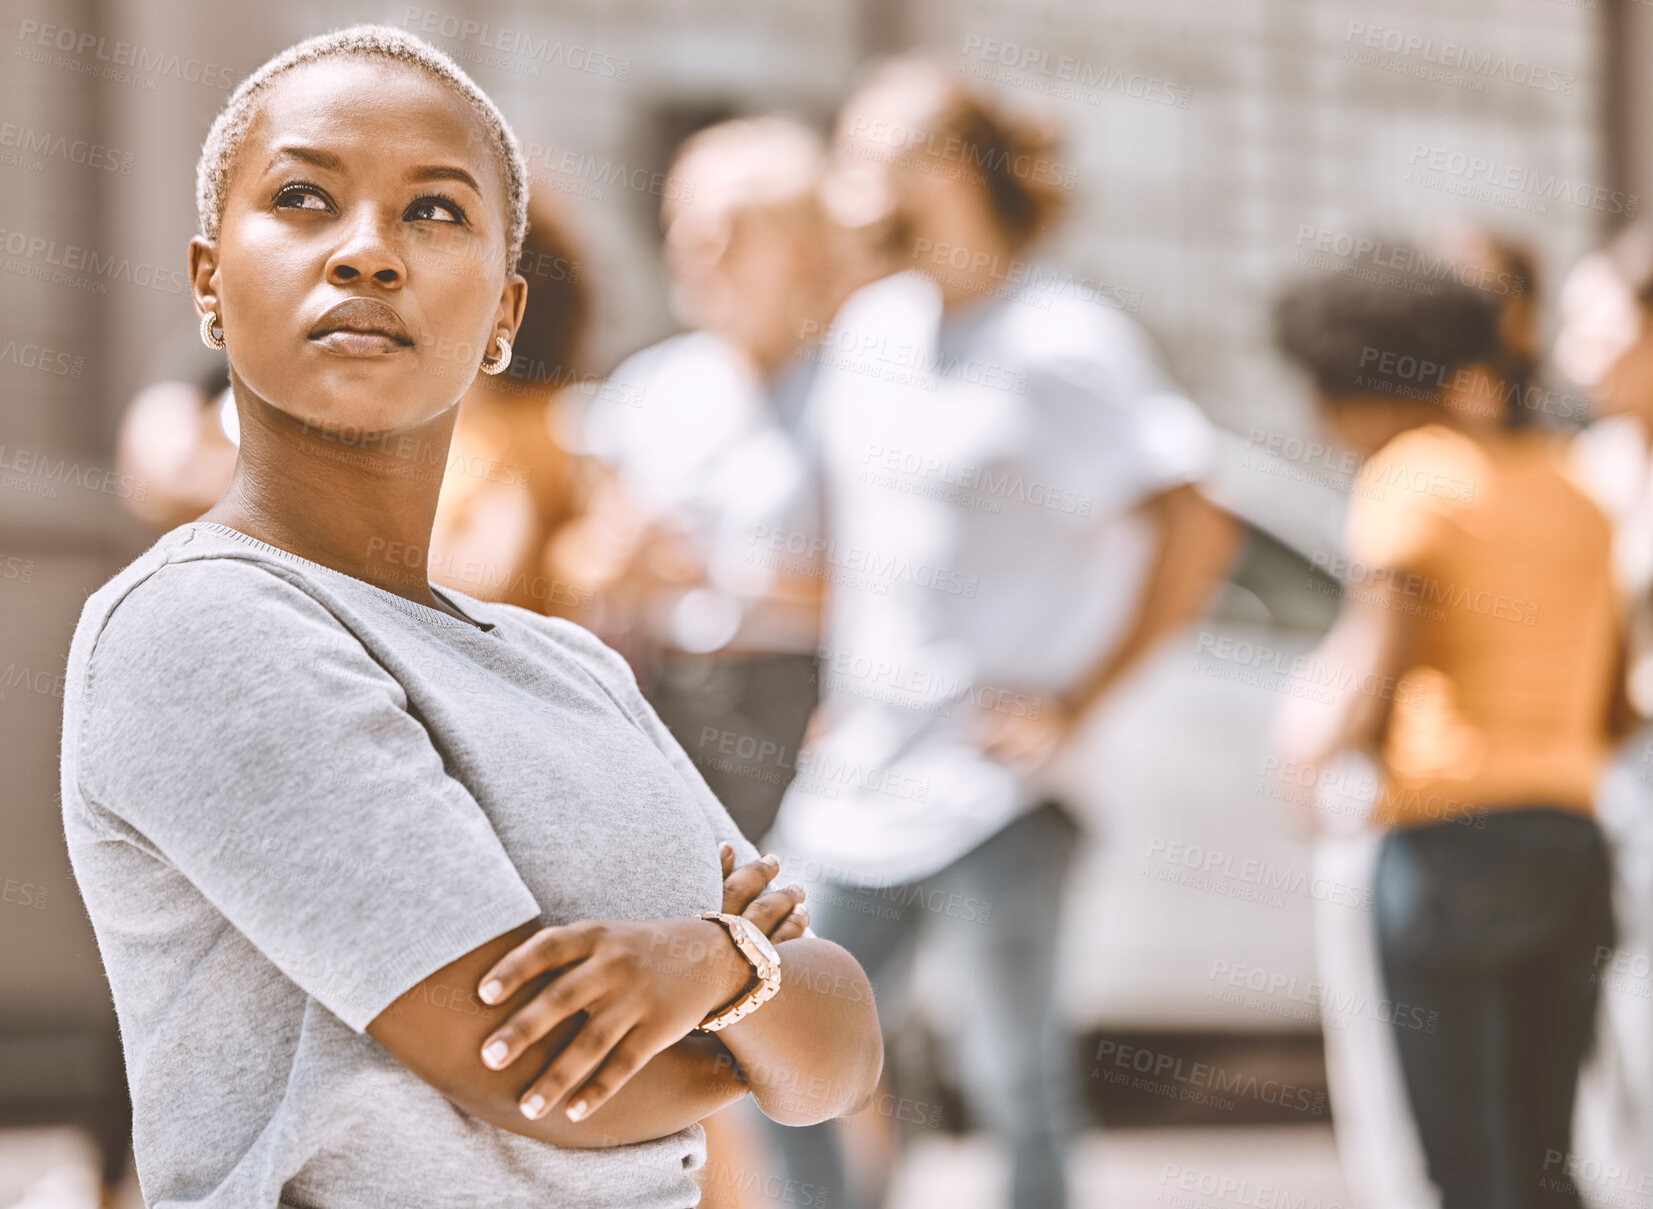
{"x":508,"y":485}
{"x":1477,"y":658}
{"x":1605,"y":344}
{"x":704,"y":533}
{"x":1377,"y":1140}
{"x":1012,"y":525}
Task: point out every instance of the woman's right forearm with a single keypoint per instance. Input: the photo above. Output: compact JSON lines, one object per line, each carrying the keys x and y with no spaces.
{"x":678,"y":1087}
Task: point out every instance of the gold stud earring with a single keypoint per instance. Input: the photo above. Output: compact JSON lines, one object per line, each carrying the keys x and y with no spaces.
{"x":208,"y":337}
{"x":496,"y":365}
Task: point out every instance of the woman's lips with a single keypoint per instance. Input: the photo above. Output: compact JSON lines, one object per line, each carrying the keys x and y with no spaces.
{"x":361,"y":327}
{"x":349,"y":343}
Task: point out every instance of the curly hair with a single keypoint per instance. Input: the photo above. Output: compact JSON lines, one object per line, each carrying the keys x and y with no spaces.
{"x":1335,"y":328}
{"x":229,"y":129}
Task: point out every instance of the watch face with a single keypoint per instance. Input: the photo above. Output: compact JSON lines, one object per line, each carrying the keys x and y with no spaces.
{"x":759,"y":941}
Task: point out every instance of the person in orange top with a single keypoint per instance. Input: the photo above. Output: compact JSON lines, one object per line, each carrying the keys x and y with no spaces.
{"x":1477,"y":655}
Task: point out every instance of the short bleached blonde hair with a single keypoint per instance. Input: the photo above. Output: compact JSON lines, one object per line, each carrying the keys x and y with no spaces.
{"x":229,"y":129}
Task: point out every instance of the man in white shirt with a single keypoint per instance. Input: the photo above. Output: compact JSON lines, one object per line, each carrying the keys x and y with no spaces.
{"x":1012,"y":524}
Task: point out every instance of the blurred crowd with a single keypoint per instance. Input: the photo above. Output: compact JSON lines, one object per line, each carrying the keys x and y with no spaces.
{"x":903,"y":505}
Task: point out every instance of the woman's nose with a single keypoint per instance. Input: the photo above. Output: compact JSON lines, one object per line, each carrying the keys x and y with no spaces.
{"x":367,"y":252}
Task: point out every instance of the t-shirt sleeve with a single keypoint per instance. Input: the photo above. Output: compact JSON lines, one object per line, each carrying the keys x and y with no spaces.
{"x":241,"y":733}
{"x":1122,"y":429}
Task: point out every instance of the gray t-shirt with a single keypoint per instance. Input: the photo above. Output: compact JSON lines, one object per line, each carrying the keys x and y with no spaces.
{"x":289,"y":796}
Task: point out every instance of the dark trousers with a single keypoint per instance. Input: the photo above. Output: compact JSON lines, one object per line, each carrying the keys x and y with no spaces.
{"x":1490,"y":940}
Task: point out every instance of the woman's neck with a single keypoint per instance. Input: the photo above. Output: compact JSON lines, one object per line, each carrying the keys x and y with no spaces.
{"x":359,"y":503}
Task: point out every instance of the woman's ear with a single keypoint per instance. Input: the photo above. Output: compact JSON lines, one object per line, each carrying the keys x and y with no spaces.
{"x":203,"y":275}
{"x":513,"y":301}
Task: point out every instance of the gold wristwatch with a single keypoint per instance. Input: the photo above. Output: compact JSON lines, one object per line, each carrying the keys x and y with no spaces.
{"x":766,"y":970}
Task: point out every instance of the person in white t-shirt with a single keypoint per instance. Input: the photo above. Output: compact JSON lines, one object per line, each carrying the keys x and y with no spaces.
{"x":1011,"y":525}
{"x":701,"y":434}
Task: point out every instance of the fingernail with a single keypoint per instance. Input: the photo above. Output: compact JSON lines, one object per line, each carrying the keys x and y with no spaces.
{"x":494,"y":1054}
{"x":795,"y":888}
{"x":771,"y":859}
{"x":491,"y":991}
{"x":722,"y":847}
{"x":533,"y":1106}
{"x":801,"y":911}
{"x":577,"y":1110}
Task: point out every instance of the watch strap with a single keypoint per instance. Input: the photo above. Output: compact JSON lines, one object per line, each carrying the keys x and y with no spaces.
{"x":765,"y":981}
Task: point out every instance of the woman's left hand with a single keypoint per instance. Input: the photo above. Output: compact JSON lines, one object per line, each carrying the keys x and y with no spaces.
{"x":642,"y":987}
{"x":781,"y":913}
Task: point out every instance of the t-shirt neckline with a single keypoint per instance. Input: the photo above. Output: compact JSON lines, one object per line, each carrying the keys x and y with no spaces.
{"x":413,"y":607}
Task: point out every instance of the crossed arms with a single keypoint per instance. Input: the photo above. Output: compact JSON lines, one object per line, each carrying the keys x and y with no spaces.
{"x":600,"y":1016}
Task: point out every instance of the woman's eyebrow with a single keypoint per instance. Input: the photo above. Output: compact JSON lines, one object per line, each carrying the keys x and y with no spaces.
{"x":310,"y":155}
{"x":440,"y":172}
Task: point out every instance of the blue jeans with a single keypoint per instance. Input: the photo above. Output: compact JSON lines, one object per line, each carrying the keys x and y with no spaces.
{"x":998,"y":909}
{"x":1492,"y":936}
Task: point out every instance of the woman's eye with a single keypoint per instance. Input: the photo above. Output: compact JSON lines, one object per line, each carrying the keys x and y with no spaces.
{"x":300,"y":199}
{"x":435,"y":209}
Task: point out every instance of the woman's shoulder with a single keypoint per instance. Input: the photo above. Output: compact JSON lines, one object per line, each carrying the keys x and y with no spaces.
{"x":185,"y":636}
{"x":191,"y":597}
